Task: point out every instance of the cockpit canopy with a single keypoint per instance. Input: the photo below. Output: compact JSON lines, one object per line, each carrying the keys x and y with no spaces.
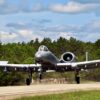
{"x":43,"y":48}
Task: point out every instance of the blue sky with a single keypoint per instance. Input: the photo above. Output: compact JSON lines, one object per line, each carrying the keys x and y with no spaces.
{"x":24,"y":20}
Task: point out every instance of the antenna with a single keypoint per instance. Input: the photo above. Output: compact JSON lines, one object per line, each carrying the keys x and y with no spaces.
{"x":87,"y":56}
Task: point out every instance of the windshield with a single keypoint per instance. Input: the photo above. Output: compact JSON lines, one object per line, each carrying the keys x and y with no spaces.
{"x":43,"y":48}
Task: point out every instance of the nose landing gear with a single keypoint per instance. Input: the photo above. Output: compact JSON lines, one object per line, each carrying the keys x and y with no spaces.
{"x":40,"y":72}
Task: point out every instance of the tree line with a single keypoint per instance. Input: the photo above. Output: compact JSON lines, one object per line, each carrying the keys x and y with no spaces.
{"x":22,"y":52}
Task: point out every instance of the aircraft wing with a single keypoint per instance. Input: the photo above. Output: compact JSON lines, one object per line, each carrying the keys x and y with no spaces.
{"x":20,"y":67}
{"x":80,"y":65}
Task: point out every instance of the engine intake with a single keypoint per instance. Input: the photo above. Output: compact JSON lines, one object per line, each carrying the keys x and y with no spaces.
{"x":68,"y":57}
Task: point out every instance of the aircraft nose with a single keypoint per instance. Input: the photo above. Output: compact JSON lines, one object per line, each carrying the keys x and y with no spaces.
{"x":38,"y":56}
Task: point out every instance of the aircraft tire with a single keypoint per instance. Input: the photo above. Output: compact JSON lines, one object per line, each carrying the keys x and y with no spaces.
{"x":28,"y":81}
{"x":78,"y":80}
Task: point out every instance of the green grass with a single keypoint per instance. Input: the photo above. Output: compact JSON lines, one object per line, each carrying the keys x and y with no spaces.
{"x":81,"y":95}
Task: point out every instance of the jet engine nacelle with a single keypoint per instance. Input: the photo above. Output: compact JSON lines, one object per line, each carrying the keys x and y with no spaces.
{"x":68,"y":57}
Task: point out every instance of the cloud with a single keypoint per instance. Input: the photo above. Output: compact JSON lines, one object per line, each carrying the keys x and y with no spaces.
{"x":29,"y":6}
{"x":2,"y":2}
{"x":27,"y":35}
{"x":17,"y":25}
{"x":88,"y":36}
{"x":96,"y":2}
{"x":44,"y":21}
{"x":7,"y":36}
{"x":91,"y":27}
{"x":87,"y":32}
{"x":66,"y":35}
{"x":19,"y":36}
{"x":34,"y":24}
{"x":74,"y":7}
{"x":62,"y":28}
{"x":25,"y":6}
{"x":87,"y":1}
{"x":8,"y":9}
{"x":38,"y":8}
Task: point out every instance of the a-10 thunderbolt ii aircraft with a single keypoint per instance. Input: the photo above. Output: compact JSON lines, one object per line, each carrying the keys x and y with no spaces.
{"x":46,"y":61}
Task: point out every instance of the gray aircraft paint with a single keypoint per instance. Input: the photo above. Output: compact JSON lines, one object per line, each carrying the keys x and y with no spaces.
{"x":46,"y":56}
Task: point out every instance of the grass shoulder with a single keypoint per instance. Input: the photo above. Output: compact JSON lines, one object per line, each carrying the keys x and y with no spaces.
{"x":80,"y":95}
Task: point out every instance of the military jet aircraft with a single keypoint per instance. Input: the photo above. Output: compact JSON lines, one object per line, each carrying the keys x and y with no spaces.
{"x":46,"y":60}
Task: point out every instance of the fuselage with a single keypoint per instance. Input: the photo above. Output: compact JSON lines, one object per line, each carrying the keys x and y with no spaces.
{"x":43,"y":56}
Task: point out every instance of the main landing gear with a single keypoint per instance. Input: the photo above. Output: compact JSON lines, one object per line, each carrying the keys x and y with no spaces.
{"x":29,"y":79}
{"x":77,"y":77}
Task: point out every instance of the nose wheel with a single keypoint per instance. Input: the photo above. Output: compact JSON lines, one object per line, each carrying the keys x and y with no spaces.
{"x":40,"y":76}
{"x":40,"y":73}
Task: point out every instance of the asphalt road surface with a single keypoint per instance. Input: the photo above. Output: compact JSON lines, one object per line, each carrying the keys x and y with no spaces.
{"x":11,"y":92}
